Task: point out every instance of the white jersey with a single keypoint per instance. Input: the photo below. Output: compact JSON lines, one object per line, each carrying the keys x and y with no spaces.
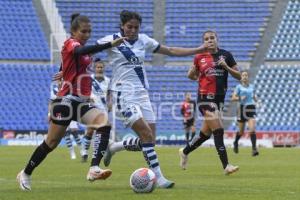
{"x":127,"y":61}
{"x":99,"y":91}
{"x":53,"y":90}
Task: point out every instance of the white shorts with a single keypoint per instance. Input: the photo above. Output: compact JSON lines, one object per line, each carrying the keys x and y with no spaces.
{"x":101,"y":107}
{"x":131,"y":106}
{"x":73,"y":125}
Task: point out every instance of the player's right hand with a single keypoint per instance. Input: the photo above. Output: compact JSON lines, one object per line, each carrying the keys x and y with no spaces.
{"x":118,"y":41}
{"x":206,"y":46}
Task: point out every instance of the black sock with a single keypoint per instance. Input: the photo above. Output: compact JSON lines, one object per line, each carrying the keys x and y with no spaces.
{"x":100,"y":144}
{"x":187,"y":135}
{"x":193,"y":135}
{"x":253,"y":140}
{"x":219,"y":143}
{"x":132,"y":144}
{"x":195,"y":143}
{"x":37,"y":157}
{"x":237,"y":138}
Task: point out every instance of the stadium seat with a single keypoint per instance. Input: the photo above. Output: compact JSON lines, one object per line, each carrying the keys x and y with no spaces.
{"x":237,"y":24}
{"x":285,"y":44}
{"x":105,"y":15}
{"x":279,"y":106}
{"x":21,"y":27}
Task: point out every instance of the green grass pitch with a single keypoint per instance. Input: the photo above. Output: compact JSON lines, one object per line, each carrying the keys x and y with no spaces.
{"x":274,"y":174}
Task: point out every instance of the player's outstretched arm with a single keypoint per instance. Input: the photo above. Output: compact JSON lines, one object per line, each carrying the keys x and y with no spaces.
{"x":180,"y":51}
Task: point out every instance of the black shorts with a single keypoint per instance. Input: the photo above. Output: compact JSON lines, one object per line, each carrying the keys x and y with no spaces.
{"x":64,"y":110}
{"x":189,"y":123}
{"x":210,"y":102}
{"x":246,"y":112}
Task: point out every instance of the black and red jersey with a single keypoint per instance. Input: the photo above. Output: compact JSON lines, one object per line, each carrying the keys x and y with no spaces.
{"x":76,"y":80}
{"x":188,"y":109}
{"x":213,"y":78}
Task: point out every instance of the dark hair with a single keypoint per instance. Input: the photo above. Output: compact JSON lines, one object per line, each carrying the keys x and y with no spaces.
{"x":209,"y":31}
{"x":127,"y":15}
{"x":97,"y":60}
{"x":77,"y":19}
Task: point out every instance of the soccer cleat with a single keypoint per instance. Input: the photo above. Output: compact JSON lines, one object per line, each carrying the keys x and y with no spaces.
{"x":230,"y":169}
{"x":108,"y":155}
{"x":73,"y":155}
{"x":84,"y":155}
{"x":164,"y":183}
{"x":84,"y":158}
{"x":183,"y":159}
{"x":255,"y":152}
{"x":235,"y":148}
{"x":95,"y":173}
{"x":24,"y":181}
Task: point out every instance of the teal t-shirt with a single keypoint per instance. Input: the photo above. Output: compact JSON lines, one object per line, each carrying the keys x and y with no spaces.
{"x":247,"y":91}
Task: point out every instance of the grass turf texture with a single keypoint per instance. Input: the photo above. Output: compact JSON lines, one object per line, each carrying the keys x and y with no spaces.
{"x":274,"y":174}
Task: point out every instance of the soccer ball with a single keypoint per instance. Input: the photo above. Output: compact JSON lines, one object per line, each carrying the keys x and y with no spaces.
{"x":142,"y":180}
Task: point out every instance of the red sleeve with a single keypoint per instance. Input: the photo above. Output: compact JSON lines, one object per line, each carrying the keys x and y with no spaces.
{"x":71,"y":45}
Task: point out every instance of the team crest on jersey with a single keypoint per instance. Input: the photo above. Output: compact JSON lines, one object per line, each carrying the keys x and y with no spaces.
{"x":134,"y":60}
{"x":58,"y":116}
{"x":211,"y":71}
{"x":86,"y":58}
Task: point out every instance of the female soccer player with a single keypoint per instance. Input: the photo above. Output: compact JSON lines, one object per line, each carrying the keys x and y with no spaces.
{"x":244,"y":93}
{"x":129,"y":86}
{"x":188,"y":111}
{"x":73,"y":128}
{"x":211,"y":69}
{"x":73,"y":102}
{"x":100,"y":84}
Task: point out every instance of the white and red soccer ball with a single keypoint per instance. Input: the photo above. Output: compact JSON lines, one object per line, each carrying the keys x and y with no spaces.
{"x":142,"y":180}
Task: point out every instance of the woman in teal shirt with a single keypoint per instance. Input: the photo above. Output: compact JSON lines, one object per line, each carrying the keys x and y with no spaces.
{"x":244,"y":93}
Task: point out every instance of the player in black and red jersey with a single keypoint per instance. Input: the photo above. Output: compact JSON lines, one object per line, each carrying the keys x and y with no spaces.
{"x":73,"y":101}
{"x":211,"y":69}
{"x":188,"y":111}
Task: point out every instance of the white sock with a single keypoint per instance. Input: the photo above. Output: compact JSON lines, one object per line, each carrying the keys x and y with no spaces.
{"x":157,"y":172}
{"x":116,"y":146}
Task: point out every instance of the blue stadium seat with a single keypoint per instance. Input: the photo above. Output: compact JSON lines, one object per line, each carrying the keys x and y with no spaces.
{"x":285,"y":44}
{"x":24,"y":95}
{"x":279,"y":106}
{"x":237,"y":24}
{"x":107,"y":21}
{"x":20,"y":26}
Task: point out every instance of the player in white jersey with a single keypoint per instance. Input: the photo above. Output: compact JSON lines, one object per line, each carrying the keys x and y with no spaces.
{"x":73,"y":128}
{"x":100,"y":84}
{"x":129,"y":86}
